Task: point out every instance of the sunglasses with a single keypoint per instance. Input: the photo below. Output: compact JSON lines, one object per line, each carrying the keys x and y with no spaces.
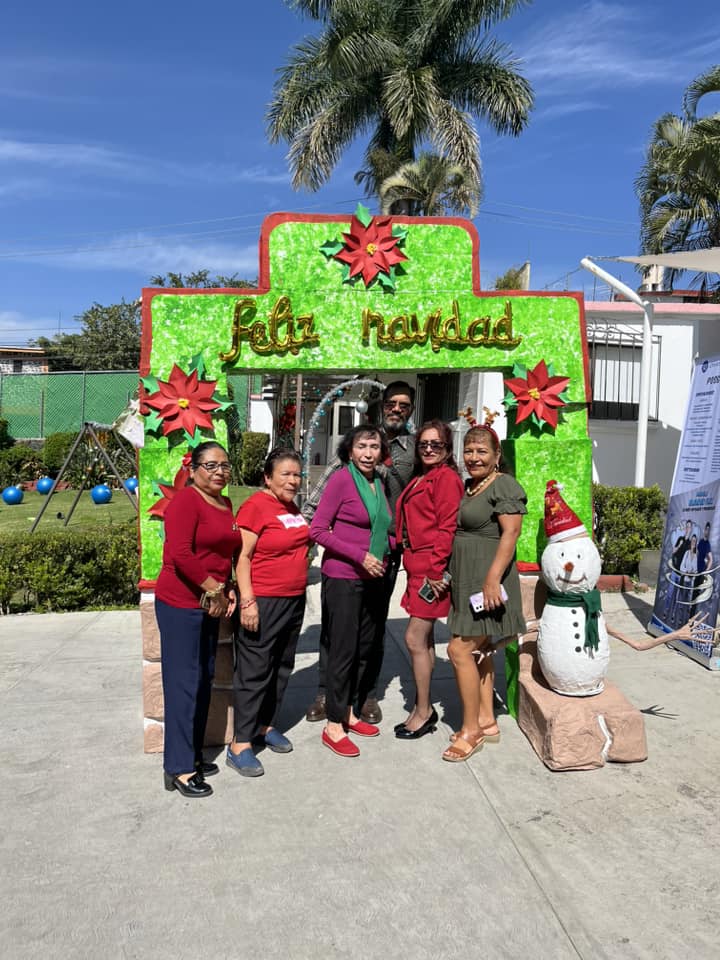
{"x":435,"y":445}
{"x":393,"y":404}
{"x":213,"y":467}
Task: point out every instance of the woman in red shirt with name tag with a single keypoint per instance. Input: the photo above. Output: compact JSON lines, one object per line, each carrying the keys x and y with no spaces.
{"x":271,"y":577}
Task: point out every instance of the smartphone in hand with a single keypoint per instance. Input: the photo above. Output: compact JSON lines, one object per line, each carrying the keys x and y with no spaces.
{"x":477,"y":600}
{"x":426,"y":591}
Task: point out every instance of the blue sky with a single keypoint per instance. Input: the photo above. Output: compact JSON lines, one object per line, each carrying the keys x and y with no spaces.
{"x":132,"y":142}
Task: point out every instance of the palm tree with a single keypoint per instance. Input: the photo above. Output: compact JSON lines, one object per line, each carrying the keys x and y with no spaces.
{"x":407,"y":72}
{"x":679,"y":183}
{"x":430,"y":186}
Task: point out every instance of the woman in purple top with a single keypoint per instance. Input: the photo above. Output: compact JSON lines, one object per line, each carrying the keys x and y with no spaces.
{"x":352,"y":523}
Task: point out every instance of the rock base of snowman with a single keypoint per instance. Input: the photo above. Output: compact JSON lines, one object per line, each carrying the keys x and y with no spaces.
{"x":572,"y":732}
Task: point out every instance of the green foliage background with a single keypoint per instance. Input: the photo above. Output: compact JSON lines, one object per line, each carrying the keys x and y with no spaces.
{"x":627,"y":520}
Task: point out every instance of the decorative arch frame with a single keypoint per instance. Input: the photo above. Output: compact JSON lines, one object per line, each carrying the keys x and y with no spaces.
{"x":423,"y":311}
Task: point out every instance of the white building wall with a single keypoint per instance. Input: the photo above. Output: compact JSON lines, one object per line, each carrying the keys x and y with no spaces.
{"x":685,"y":331}
{"x":7,"y":365}
{"x":261,"y":418}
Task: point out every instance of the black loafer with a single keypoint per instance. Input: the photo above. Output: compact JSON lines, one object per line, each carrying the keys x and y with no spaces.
{"x":194,"y":788}
{"x":207,"y":768}
{"x":430,"y":725}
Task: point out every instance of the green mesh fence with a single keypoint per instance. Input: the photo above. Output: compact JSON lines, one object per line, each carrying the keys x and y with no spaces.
{"x":37,"y":404}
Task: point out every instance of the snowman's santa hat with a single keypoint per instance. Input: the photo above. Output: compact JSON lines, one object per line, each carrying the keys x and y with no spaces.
{"x":561,"y":523}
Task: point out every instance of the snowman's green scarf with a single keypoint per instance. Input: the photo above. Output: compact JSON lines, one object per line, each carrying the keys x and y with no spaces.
{"x":593,"y":608}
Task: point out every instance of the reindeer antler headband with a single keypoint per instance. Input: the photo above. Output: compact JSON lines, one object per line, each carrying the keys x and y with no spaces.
{"x":490,"y":416}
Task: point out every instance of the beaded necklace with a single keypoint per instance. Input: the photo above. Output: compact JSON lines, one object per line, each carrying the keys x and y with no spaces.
{"x":473,"y":491}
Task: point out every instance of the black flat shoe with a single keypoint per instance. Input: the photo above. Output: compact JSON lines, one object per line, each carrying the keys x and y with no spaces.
{"x":195,"y":787}
{"x":207,"y":768}
{"x":402,"y":732}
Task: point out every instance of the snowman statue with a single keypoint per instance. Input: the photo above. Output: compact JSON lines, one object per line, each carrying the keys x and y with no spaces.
{"x":572,"y":645}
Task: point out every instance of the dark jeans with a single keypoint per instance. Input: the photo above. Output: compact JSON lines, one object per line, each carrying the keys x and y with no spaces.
{"x":263,"y":663}
{"x":188,"y":639}
{"x":353,"y":613}
{"x":372,"y":667}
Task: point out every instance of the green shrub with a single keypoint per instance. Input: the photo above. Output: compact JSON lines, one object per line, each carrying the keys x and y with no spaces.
{"x":5,"y":439}
{"x":20,"y":464}
{"x":627,"y":520}
{"x":55,"y":450}
{"x":70,"y":570}
{"x":254,"y":451}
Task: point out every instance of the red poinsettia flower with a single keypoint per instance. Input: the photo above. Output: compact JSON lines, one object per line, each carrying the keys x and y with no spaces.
{"x":370,"y":250}
{"x":538,"y":394}
{"x":184,"y":402}
{"x":168,"y":492}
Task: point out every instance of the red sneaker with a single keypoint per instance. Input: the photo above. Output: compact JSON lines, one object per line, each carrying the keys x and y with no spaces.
{"x":363,"y":729}
{"x":343,"y":748}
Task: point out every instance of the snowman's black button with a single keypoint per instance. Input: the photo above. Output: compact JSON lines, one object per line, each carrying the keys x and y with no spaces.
{"x":573,"y":612}
{"x":577,"y":636}
{"x":578,"y":649}
{"x":576,"y":624}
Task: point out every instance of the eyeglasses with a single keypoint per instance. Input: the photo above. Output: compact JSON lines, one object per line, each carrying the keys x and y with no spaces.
{"x":392,"y":404}
{"x":435,"y":445}
{"x":213,"y":467}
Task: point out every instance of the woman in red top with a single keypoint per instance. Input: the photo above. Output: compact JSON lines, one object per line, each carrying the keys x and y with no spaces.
{"x":191,"y":595}
{"x":426,"y":519}
{"x":271,"y":576}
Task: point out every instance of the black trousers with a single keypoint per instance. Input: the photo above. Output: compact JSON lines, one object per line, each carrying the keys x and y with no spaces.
{"x":372,"y":667}
{"x":264,"y":661}
{"x":353,"y":612}
{"x":188,"y":639}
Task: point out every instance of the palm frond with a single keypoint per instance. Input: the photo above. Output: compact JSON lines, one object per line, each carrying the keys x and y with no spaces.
{"x":455,"y":137}
{"x":708,"y":82}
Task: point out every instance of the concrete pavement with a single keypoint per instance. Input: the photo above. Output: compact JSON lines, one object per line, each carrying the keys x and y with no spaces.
{"x":393,"y":855}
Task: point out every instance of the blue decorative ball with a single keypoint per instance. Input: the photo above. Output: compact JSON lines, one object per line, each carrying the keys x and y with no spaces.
{"x":131,"y":484}
{"x":44,"y":485}
{"x":12,"y":496}
{"x":101,"y":493}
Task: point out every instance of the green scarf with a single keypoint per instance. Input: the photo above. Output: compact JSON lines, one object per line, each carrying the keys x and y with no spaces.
{"x":378,"y":512}
{"x":593,"y":608}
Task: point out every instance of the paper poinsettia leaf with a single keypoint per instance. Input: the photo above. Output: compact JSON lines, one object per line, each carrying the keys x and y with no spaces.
{"x":224,"y":402}
{"x":386,"y":281}
{"x":153,"y":422}
{"x":157,"y":486}
{"x":331,"y":247}
{"x":150,"y":383}
{"x":197,"y":363}
{"x":363,"y":215}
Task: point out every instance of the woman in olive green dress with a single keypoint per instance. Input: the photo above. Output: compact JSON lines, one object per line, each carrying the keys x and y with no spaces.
{"x":483,"y":560}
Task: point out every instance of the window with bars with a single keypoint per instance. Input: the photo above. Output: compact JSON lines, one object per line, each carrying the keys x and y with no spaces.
{"x":614,"y":359}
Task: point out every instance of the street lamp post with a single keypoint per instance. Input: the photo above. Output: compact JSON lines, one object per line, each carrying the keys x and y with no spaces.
{"x":645,"y":363}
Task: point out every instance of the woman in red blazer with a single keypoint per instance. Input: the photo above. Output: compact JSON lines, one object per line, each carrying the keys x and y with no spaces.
{"x":426,"y":520}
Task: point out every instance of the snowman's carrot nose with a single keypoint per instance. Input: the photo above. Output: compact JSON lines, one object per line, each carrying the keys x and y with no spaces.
{"x":569,"y":567}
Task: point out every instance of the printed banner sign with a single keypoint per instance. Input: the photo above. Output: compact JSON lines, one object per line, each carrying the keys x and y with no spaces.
{"x":687,"y":580}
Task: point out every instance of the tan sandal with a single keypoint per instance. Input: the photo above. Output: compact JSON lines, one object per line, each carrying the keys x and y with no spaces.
{"x":489,"y":737}
{"x":454,"y":754}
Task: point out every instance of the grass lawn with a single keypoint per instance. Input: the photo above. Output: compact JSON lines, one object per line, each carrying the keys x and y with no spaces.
{"x":19,"y":518}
